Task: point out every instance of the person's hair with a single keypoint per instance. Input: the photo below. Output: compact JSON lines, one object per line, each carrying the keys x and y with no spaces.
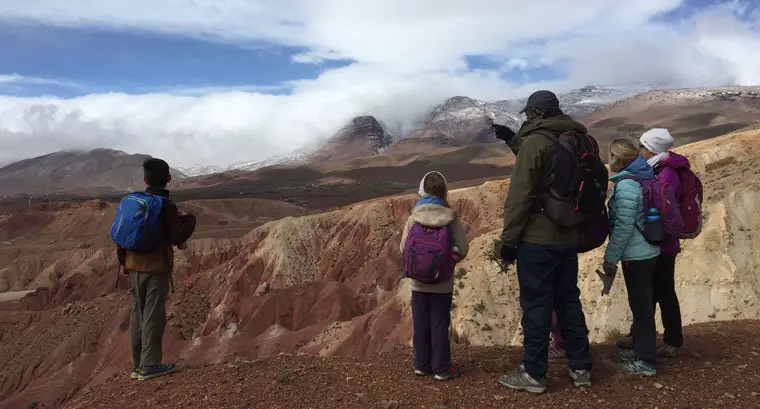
{"x":435,"y":185}
{"x":156,"y":172}
{"x":543,"y":113}
{"x":624,"y":150}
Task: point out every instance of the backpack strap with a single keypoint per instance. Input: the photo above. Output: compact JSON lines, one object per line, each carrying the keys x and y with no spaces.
{"x":548,"y":135}
{"x":538,"y":204}
{"x":631,"y":177}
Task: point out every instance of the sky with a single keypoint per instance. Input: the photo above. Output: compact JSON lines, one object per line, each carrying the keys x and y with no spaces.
{"x":217,"y":82}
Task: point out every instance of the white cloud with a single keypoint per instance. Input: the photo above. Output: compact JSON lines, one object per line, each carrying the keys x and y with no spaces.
{"x":407,"y":56}
{"x":16,"y":79}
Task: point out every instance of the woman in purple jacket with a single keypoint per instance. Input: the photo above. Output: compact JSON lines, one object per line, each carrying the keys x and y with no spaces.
{"x":655,"y":147}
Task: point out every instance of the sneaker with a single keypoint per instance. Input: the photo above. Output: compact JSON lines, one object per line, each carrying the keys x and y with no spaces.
{"x":452,"y":374}
{"x":626,"y":355}
{"x":420,"y":372}
{"x":135,"y":373}
{"x":581,"y":378}
{"x":625,"y":343}
{"x":639,"y":368}
{"x":669,"y":351}
{"x":555,"y":352}
{"x":522,"y":381}
{"x":151,"y":372}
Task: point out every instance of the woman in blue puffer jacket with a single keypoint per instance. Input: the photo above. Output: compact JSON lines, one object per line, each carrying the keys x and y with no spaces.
{"x":628,"y":245}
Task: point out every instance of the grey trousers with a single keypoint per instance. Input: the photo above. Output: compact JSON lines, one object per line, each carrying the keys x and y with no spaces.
{"x":148,"y":319}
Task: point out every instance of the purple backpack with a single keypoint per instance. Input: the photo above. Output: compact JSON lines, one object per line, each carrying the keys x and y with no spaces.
{"x":428,"y":254}
{"x":662,"y":213}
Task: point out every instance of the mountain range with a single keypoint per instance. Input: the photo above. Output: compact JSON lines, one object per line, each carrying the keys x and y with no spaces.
{"x":456,"y":122}
{"x":454,"y":136}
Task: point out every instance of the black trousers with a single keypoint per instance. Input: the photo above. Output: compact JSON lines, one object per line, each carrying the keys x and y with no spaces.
{"x":640,"y":286}
{"x":431,"y":313}
{"x":664,"y":285}
{"x":548,"y":279}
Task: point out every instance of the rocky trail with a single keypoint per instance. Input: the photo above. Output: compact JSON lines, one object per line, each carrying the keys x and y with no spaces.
{"x":720,"y":369}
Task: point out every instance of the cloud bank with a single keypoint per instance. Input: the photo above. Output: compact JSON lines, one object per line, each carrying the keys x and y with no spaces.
{"x":404,"y":58}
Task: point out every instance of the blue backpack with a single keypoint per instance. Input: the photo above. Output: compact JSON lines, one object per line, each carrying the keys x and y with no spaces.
{"x":137,"y":225}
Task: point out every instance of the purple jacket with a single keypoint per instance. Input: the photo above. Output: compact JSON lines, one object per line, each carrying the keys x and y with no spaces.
{"x":666,"y":171}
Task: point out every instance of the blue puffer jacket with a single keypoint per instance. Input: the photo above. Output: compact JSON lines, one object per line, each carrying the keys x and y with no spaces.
{"x":626,"y":205}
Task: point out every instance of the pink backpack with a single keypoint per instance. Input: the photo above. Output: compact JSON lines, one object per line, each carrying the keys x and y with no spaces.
{"x":691,"y":201}
{"x":662,"y":217}
{"x":428,"y":254}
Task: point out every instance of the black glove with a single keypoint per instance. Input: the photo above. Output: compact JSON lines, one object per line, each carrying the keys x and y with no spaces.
{"x":608,"y":276}
{"x":508,"y":254}
{"x":503,"y":133}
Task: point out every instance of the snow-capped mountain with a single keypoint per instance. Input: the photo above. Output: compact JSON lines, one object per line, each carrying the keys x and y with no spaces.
{"x":363,"y":136}
{"x":461,"y":121}
{"x":248,"y":166}
{"x":458,"y":121}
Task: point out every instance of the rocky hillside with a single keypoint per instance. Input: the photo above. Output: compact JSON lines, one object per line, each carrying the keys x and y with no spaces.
{"x":329,"y":284}
{"x":75,"y":172}
{"x":363,"y":136}
{"x":690,"y":114}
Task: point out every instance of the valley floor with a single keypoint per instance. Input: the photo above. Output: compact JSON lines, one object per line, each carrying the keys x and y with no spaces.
{"x":720,"y":368}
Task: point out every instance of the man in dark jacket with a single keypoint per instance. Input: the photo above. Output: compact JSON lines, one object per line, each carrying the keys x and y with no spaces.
{"x":150,"y":276}
{"x":546,"y":253}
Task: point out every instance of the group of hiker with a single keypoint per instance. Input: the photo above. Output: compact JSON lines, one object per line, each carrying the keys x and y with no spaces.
{"x":557,"y":207}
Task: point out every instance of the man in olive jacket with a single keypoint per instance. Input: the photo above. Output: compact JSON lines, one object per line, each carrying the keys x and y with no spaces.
{"x":546,"y":253}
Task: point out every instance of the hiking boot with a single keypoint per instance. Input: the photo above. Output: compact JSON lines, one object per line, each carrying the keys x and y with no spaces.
{"x":452,"y":374}
{"x":624,"y":356}
{"x":555,"y":352}
{"x":420,"y":372}
{"x":669,"y":351}
{"x":150,"y":372}
{"x":135,"y":372}
{"x":581,"y":378}
{"x":522,"y":381}
{"x":625,"y":343}
{"x":638,"y":367}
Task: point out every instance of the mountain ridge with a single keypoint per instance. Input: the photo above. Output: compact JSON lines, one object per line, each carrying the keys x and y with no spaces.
{"x":75,"y":171}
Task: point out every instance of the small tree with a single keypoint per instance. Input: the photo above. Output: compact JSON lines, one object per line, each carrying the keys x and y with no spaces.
{"x":495,"y":256}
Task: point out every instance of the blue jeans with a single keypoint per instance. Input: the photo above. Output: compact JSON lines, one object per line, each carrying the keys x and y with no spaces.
{"x":548,"y":279}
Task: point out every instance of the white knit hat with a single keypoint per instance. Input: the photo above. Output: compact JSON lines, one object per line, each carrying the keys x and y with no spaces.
{"x":422,"y":182}
{"x":657,"y":140}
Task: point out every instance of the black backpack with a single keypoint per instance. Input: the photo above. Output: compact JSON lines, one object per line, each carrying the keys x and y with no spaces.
{"x":576,"y":189}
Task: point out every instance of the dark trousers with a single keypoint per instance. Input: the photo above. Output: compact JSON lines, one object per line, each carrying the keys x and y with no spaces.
{"x":148,"y":319}
{"x":639,"y":284}
{"x":665,"y":295}
{"x":432,"y":317}
{"x":548,"y":279}
{"x":664,"y":285}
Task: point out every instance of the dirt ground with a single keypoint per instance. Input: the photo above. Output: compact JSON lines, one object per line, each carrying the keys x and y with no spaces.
{"x":718,"y":370}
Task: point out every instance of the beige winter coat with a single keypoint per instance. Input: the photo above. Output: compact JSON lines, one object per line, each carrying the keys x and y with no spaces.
{"x":432,"y":215}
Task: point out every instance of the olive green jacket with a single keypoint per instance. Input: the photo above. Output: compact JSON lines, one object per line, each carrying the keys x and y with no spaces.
{"x":528,"y":181}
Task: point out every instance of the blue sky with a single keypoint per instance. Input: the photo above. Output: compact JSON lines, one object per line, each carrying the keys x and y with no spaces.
{"x":90,"y":60}
{"x":139,"y":61}
{"x":225,"y":81}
